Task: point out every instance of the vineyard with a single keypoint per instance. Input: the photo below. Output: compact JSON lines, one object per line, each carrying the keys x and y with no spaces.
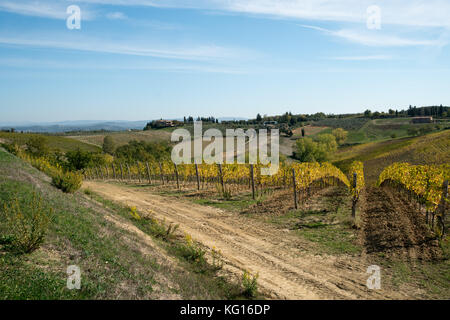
{"x":229,"y":179}
{"x":426,"y":185}
{"x":388,"y":218}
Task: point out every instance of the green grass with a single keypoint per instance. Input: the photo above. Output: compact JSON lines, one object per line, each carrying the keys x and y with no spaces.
{"x":432,"y":277}
{"x":110,"y":257}
{"x":332,"y":239}
{"x":54,"y":142}
{"x":328,"y":225}
{"x":236,"y":203}
{"x":370,"y":152}
{"x":332,"y":232}
{"x":201,"y":272}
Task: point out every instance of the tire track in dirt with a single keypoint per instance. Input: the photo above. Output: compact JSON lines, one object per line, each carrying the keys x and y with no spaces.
{"x":286,"y":269}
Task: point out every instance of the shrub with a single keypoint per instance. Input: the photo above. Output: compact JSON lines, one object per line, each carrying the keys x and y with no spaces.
{"x":108,"y":145}
{"x":340,"y":135}
{"x":250,"y":284}
{"x":13,"y":148}
{"x":26,"y":224}
{"x":37,"y":146}
{"x":192,"y":251}
{"x":79,"y":159}
{"x":307,"y":150}
{"x":170,"y":232}
{"x":68,"y":182}
{"x":134,"y":213}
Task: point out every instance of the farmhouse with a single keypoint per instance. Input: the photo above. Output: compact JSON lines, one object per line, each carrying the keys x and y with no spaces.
{"x":164,"y":123}
{"x":422,"y":120}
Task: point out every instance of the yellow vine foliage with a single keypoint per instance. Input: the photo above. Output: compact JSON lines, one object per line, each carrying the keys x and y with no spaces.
{"x":306,"y":173}
{"x":424,"y":181}
{"x":358,"y":168}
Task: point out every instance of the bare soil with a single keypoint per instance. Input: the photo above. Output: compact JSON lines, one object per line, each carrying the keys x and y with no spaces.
{"x":287,"y":268}
{"x":393,"y":225}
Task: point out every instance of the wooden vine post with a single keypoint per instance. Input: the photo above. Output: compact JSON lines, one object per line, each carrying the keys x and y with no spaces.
{"x":252,"y":178}
{"x":443,"y":206}
{"x":148,"y":173}
{"x":161,"y":173}
{"x":355,"y":197}
{"x":114,"y":171}
{"x":129,"y":172}
{"x":176,"y":175}
{"x":198,"y":177}
{"x":121,"y":171}
{"x":294,"y":184}
{"x":221,"y":177}
{"x":139,"y":171}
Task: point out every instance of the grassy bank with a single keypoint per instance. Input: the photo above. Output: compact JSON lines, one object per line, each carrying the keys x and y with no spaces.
{"x":116,"y":260}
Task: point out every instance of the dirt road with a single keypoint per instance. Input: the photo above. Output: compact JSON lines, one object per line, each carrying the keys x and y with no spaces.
{"x":287,"y":268}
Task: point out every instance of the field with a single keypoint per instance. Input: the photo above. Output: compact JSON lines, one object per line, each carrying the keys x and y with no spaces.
{"x":135,"y":235}
{"x":63,"y":144}
{"x":120,"y":258}
{"x":121,"y":138}
{"x":429,"y":149}
{"x":363,"y":131}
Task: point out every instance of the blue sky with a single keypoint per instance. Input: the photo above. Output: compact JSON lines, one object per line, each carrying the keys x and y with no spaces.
{"x":142,"y":59}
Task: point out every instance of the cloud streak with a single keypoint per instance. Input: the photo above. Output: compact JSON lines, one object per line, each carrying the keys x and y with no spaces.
{"x":42,"y":9}
{"x":95,"y":45}
{"x":376,"y":39}
{"x":363,"y":58}
{"x":28,"y":64}
{"x":430,"y":13}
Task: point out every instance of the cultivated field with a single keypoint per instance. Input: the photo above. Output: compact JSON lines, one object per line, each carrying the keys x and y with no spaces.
{"x":151,"y":230}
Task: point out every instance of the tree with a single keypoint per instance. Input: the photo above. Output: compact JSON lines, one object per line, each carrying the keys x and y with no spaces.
{"x":108,"y":145}
{"x":367,"y":113}
{"x":37,"y":146}
{"x":329,"y":141}
{"x":258,"y":118}
{"x":303,"y":132}
{"x":340,"y":135}
{"x":308,"y":150}
{"x":78,"y":159}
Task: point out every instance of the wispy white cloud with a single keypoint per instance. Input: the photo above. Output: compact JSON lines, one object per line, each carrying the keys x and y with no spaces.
{"x":43,"y":9}
{"x":363,"y":58}
{"x":431,"y":13}
{"x":116,"y":15}
{"x":28,"y":63}
{"x":376,"y":39}
{"x":202,"y":52}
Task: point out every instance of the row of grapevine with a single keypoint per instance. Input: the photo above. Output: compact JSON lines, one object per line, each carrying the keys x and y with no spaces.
{"x":428,"y":184}
{"x":232,"y":178}
{"x":229,"y":174}
{"x":356,"y":172}
{"x":424,"y":181}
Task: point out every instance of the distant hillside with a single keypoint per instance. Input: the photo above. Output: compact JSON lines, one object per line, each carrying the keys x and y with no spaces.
{"x":70,"y":126}
{"x":84,"y":125}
